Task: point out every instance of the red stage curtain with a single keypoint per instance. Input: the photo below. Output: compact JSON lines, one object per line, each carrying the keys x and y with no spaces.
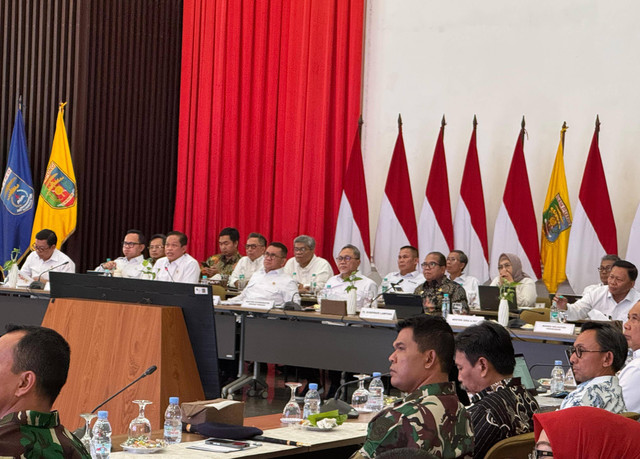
{"x":269,"y":105}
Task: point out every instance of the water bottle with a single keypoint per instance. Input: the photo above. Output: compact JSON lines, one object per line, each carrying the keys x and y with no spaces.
{"x":311,"y":401}
{"x":326,"y":293}
{"x":204,"y":281}
{"x":557,"y":378}
{"x":107,"y":272}
{"x":376,"y":393}
{"x":314,"y":284}
{"x":554,"y":314}
{"x":385,"y":285}
{"x":242,"y":283}
{"x":295,"y":277}
{"x":101,"y":440}
{"x":446,"y":306}
{"x":173,"y":422}
{"x":629,"y":357}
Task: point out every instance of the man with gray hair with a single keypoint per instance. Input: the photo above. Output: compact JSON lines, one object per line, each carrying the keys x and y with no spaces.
{"x":604,"y":269}
{"x":305,"y":264}
{"x":252,"y":262}
{"x":348,"y":262}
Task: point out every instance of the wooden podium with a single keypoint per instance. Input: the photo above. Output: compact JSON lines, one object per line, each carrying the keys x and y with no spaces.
{"x":111,"y":345}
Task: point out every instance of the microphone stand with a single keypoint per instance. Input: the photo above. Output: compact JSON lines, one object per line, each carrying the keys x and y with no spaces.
{"x":37,"y":284}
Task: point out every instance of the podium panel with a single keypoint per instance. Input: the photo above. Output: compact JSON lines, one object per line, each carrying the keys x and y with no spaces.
{"x":111,"y":345}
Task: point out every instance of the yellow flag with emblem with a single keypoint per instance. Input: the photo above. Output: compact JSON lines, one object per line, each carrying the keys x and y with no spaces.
{"x":57,"y":207}
{"x":556,"y":223}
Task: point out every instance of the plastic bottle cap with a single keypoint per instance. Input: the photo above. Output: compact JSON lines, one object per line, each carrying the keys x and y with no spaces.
{"x":313,"y":386}
{"x":103,"y":414}
{"x":559,"y":362}
{"x":174,"y":400}
{"x":446,"y":295}
{"x":377,"y":374}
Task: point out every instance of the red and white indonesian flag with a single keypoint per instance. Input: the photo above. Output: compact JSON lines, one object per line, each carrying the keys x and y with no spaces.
{"x":353,"y":216}
{"x":470,"y":225}
{"x":435,"y":231}
{"x":397,"y":220}
{"x":516,"y":230}
{"x":593,"y":231}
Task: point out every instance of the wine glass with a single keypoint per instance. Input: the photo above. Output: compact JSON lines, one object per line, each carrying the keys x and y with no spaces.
{"x":86,"y":438}
{"x":291,"y":412}
{"x":140,"y":427}
{"x":360,"y":395}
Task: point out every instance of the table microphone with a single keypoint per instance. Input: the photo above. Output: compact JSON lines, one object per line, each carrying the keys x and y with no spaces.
{"x":394,"y":286}
{"x":166,"y":268}
{"x":37,"y":284}
{"x":292,"y":305}
{"x":342,"y":406}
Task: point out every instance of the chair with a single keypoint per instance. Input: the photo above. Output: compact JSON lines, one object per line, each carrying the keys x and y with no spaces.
{"x":530,"y":316}
{"x":220,"y":291}
{"x":518,"y":446}
{"x":631,"y":415}
{"x":544,"y":299}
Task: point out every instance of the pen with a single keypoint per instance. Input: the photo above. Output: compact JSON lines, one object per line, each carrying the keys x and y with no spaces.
{"x":278,"y":441}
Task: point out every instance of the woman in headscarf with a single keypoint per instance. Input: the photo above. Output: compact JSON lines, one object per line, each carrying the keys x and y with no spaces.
{"x":510,"y":270}
{"x":586,"y":432}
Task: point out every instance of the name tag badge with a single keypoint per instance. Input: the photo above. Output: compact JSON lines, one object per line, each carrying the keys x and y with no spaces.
{"x":258,"y":304}
{"x":463,"y":321}
{"x":378,"y":314}
{"x":554,"y":327}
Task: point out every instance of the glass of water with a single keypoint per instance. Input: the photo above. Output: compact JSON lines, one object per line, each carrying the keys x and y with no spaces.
{"x":456,"y":308}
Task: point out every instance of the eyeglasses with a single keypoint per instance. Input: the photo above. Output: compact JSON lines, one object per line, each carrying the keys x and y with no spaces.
{"x":578,"y":351}
{"x":300,"y":249}
{"x":153,"y":247}
{"x":536,"y":453}
{"x":252,"y":246}
{"x":130,"y":244}
{"x":504,"y":266}
{"x":39,"y":248}
{"x":347,"y":259}
{"x":272,"y":255}
{"x":604,"y":269}
{"x":430,"y":265}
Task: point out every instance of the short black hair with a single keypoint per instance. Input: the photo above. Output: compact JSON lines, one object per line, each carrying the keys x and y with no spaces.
{"x":233,"y":233}
{"x":47,"y":235}
{"x":491,"y":341}
{"x":141,"y":238}
{"x":462,"y":256}
{"x":414,"y":251}
{"x":158,"y":236}
{"x":630,"y":267}
{"x":45,"y":352}
{"x":442,"y":260}
{"x":258,"y":236}
{"x":609,"y":338}
{"x":432,"y":333}
{"x":281,"y":246}
{"x":354,"y":249}
{"x":181,"y":237}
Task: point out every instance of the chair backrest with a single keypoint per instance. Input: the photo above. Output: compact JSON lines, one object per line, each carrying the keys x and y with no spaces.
{"x":530,"y":316}
{"x":631,"y":415}
{"x":220,"y":291}
{"x":517,"y":446}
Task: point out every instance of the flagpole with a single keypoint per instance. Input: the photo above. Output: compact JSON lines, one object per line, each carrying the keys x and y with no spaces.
{"x":399,"y":121}
{"x":562,"y":133}
{"x":475,"y":122}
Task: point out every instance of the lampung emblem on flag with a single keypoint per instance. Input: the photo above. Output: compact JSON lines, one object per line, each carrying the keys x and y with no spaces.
{"x":17,"y":195}
{"x":556,"y":219}
{"x":58,"y":190}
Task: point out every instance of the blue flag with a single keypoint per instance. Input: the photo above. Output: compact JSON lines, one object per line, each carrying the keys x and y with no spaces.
{"x":16,"y":209}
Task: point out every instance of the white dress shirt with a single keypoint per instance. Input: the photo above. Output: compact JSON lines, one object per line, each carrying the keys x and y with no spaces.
{"x":247,"y":267}
{"x":34,"y":265}
{"x":525,"y":292}
{"x":629,"y":378}
{"x":184,"y":269}
{"x":470,"y":285}
{"x":410,"y":283}
{"x":274,"y":286}
{"x":318,"y":266}
{"x":130,"y":268}
{"x":588,"y":288}
{"x":600,"y":299}
{"x":336,"y":289}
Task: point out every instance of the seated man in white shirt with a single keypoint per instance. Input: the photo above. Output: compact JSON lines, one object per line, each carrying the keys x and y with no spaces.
{"x":407,"y":279}
{"x":630,"y":375}
{"x":270,"y":283}
{"x":305,"y":264}
{"x":348,"y":261}
{"x":177,"y":265}
{"x":131,"y":264}
{"x":597,"y":355}
{"x":45,"y":258}
{"x":608,"y":302}
{"x":252,"y":262}
{"x":456,"y":262}
{"x":605,"y":268}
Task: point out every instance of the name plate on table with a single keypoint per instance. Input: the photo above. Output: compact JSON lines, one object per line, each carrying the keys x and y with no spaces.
{"x":258,"y":304}
{"x":374,"y":313}
{"x":554,"y":327}
{"x":463,"y":321}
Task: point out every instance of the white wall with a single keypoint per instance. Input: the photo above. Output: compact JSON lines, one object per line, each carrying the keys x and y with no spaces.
{"x":500,"y":59}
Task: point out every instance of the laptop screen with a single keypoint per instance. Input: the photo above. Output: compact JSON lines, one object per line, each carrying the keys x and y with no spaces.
{"x":521,"y":371}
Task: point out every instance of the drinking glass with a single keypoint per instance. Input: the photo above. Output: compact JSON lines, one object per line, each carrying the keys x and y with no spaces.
{"x":457,"y":308}
{"x":360,"y":395}
{"x":140,"y":427}
{"x":292,"y":412}
{"x":86,"y":438}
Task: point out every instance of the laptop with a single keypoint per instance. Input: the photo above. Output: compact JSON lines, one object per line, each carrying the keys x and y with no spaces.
{"x":406,"y":304}
{"x":521,"y":371}
{"x":489,"y":297}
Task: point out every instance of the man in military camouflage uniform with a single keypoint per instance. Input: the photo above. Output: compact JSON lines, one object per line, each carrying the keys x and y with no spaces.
{"x":437,"y":284}
{"x":430,"y":417}
{"x":34,"y":362}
